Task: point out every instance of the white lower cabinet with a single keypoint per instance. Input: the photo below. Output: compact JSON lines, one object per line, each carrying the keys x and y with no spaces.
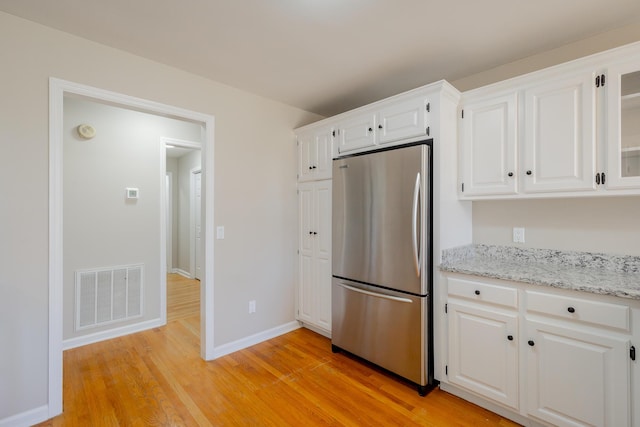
{"x":314,"y":254}
{"x":548,"y":357}
{"x":577,"y":378}
{"x":483,"y":352}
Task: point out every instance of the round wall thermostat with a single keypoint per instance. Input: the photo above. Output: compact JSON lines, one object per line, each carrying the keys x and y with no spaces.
{"x":86,"y":131}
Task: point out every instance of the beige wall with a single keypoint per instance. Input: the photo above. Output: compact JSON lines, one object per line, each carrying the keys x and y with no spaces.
{"x":254,"y":192}
{"x":606,"y":224}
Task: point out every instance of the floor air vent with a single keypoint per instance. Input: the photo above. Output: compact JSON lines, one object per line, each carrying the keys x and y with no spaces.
{"x":108,"y":295}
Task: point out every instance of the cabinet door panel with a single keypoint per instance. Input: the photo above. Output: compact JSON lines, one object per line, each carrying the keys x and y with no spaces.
{"x":322,"y":293}
{"x":305,"y":288}
{"x":623,"y":127}
{"x":560,"y":139}
{"x":306,"y":149}
{"x":489,"y":146}
{"x":481,"y":357}
{"x":356,"y":133}
{"x":322,"y":213}
{"x":402,"y":120}
{"x":323,"y":142}
{"x":577,"y":378}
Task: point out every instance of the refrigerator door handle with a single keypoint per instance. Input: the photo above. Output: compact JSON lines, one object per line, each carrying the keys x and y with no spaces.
{"x":375,"y":294}
{"x":416,"y":212}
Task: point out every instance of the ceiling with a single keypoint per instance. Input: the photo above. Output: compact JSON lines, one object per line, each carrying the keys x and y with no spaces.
{"x":329,"y":56}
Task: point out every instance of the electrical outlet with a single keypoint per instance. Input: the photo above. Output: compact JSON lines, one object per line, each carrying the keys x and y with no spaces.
{"x":518,"y":235}
{"x":252,"y":306}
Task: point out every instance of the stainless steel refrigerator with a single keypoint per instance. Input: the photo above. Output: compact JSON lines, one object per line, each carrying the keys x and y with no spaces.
{"x":382,"y":271}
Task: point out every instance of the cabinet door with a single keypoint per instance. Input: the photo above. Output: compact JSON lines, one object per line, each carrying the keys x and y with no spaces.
{"x":314,"y":155}
{"x":577,"y":378}
{"x":560,"y":140}
{"x":306,"y":156}
{"x":322,"y":254}
{"x":488,"y":145}
{"x":623,"y":127}
{"x":305,"y":251}
{"x":402,"y":120}
{"x":357,"y":132}
{"x":314,"y":253}
{"x":483,"y":352}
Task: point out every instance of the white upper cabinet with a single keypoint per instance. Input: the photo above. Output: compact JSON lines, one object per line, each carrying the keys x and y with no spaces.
{"x":314,"y":154}
{"x":559,"y":150}
{"x":623,"y":127}
{"x":488,"y":143}
{"x":404,"y":119}
{"x":356,"y":132}
{"x":574,"y":130}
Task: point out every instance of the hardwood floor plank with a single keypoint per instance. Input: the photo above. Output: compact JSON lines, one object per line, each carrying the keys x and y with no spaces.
{"x":156,"y":377}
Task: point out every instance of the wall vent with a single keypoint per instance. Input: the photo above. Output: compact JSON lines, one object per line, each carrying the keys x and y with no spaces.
{"x":108,"y":295}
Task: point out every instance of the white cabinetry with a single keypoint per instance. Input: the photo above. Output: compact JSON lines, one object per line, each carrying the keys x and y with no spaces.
{"x":488,"y":142}
{"x":623,"y":136}
{"x":483,"y":337}
{"x":401,"y":118}
{"x":356,"y":132}
{"x":573,"y":129}
{"x":559,"y":135}
{"x":314,"y":269}
{"x":578,"y":364}
{"x":314,"y":154}
{"x":554,"y":356}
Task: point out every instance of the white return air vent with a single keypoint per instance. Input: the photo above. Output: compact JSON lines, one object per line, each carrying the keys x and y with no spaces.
{"x":108,"y":295}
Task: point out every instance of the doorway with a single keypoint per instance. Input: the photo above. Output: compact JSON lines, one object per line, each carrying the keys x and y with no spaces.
{"x":59,"y":89}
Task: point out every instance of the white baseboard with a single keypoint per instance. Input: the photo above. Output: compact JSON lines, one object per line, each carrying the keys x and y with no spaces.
{"x":182,"y":273}
{"x":111,"y":333}
{"x":243,"y":343}
{"x":316,"y":329}
{"x":27,"y":418}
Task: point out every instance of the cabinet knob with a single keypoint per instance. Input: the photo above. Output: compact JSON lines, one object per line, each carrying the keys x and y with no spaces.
{"x":571,"y":310}
{"x":314,"y":167}
{"x":510,"y":174}
{"x":311,"y":233}
{"x":310,"y":167}
{"x":370,"y":129}
{"x":531,"y":343}
{"x":315,"y":233}
{"x":379,"y":126}
{"x":528,"y":172}
{"x":510,"y":337}
{"x":477,"y":292}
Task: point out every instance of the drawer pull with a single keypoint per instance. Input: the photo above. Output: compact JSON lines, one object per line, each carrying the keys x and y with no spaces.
{"x":531,"y":343}
{"x":571,"y":310}
{"x":510,"y":337}
{"x":477,"y":292}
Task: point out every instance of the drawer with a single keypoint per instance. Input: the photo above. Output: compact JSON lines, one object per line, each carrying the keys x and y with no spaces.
{"x":483,"y":292}
{"x":597,"y":313}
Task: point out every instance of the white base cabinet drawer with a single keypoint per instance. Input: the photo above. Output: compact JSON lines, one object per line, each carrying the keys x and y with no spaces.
{"x":579,"y":310}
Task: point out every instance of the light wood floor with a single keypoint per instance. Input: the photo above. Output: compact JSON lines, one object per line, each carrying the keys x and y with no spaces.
{"x":157,"y":378}
{"x":183,"y":297}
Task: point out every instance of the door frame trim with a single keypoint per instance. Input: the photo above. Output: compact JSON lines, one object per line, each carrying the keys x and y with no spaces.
{"x":57,"y":90}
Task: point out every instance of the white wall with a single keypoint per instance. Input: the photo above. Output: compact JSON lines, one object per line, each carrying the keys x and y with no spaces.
{"x":607,"y":224}
{"x":101,"y":227}
{"x":254,"y":193}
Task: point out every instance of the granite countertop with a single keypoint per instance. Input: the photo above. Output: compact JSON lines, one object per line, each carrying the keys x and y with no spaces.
{"x":617,"y":275}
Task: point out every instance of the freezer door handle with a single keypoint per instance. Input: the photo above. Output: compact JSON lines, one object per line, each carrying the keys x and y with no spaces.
{"x":375,"y":294}
{"x":416,"y":231}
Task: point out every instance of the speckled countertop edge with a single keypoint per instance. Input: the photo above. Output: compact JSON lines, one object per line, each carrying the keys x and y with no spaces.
{"x":616,"y":275}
